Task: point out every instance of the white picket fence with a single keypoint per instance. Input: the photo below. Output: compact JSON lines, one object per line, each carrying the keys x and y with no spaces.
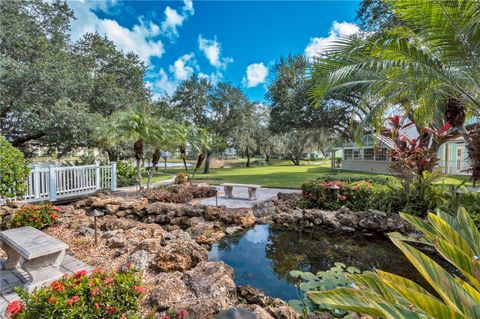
{"x":53,"y":183}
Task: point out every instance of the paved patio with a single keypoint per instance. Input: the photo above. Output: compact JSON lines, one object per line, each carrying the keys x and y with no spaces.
{"x":9,"y":279}
{"x":240,"y":197}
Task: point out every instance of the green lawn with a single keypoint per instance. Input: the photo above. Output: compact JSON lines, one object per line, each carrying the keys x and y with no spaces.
{"x":287,"y":176}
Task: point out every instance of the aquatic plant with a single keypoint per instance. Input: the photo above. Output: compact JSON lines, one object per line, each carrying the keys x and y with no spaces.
{"x":387,"y":295}
{"x":321,"y":281}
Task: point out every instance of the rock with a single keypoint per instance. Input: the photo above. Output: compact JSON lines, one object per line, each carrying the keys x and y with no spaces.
{"x":179,"y":255}
{"x":150,"y":244}
{"x":283,"y":312}
{"x":203,"y":291}
{"x":86,"y":231}
{"x":259,"y":312}
{"x":111,"y":209}
{"x":232,"y":229}
{"x":116,"y":242}
{"x":253,"y":296}
{"x":112,"y":223}
{"x":139,"y":259}
{"x":235,"y":313}
{"x":211,"y":238}
{"x":112,"y":233}
{"x":233,"y":216}
{"x":377,"y":213}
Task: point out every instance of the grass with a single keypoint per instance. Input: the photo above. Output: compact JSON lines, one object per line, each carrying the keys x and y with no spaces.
{"x":287,"y":176}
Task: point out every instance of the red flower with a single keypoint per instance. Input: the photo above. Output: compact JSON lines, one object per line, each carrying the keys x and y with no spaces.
{"x":165,"y":317}
{"x":52,"y":300}
{"x":95,"y":291}
{"x":182,"y":313}
{"x":39,"y":219}
{"x":57,"y":209}
{"x":80,"y":273}
{"x":111,"y":310}
{"x":54,"y":216}
{"x":31,"y":219}
{"x":97,"y":306}
{"x":138,"y":289}
{"x":108,"y":281}
{"x":72,"y":300}
{"x":395,"y":120}
{"x":14,"y":308}
{"x":57,"y":286}
{"x":123,"y":316}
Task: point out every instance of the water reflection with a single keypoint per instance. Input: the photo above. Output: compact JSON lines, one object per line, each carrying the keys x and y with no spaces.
{"x":263,"y":256}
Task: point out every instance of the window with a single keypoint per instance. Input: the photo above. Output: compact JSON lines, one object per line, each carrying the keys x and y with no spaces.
{"x":356,"y":155}
{"x":381,"y":154}
{"x":347,"y":154}
{"x":368,"y":154}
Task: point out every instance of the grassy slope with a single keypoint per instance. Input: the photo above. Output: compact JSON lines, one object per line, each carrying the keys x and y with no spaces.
{"x":283,"y":176}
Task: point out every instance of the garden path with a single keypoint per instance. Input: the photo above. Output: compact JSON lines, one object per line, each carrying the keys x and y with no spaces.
{"x":240,"y":197}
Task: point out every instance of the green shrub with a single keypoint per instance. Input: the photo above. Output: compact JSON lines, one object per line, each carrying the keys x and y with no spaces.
{"x":37,"y":216}
{"x":378,"y":180}
{"x":96,"y":295}
{"x":126,"y":174}
{"x":13,"y":171}
{"x":335,"y":194}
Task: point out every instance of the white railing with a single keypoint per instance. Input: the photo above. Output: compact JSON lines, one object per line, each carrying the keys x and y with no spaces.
{"x":67,"y":181}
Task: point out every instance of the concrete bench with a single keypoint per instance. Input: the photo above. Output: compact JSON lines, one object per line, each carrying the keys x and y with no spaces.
{"x":252,"y":189}
{"x":34,"y":251}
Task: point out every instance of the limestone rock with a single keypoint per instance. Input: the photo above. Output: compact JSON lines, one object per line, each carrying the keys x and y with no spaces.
{"x":179,"y":255}
{"x":139,"y":259}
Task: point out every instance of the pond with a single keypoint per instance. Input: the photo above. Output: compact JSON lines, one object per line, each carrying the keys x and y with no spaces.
{"x":264,"y":255}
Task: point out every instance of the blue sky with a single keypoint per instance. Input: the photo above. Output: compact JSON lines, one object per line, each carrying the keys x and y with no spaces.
{"x":235,"y":41}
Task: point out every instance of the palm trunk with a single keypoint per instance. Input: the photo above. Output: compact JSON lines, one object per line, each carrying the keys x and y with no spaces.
{"x":183,"y":154}
{"x":200,"y":159}
{"x":138,"y":148}
{"x":206,"y":168}
{"x":471,"y":134}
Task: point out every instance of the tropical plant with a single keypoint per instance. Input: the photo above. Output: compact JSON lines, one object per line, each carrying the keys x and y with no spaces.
{"x":387,"y":295}
{"x":14,"y":171}
{"x":126,"y":173}
{"x":140,"y":125}
{"x":321,"y":281}
{"x":427,"y":65}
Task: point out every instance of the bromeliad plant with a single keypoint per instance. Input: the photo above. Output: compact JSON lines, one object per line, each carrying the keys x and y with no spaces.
{"x":391,"y":296}
{"x":37,"y":216}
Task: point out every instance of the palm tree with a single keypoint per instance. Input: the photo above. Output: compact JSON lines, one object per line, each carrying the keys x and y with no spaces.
{"x":428,"y":64}
{"x":142,"y":126}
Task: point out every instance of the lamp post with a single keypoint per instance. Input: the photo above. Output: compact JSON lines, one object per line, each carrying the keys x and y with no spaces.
{"x":95,"y":213}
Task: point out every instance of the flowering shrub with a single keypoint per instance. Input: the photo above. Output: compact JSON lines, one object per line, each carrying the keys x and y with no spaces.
{"x":38,"y":216}
{"x":335,"y":194}
{"x":82,"y":295}
{"x":174,"y":314}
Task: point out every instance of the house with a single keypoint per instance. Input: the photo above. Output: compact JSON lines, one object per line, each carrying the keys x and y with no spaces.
{"x":373,"y":156}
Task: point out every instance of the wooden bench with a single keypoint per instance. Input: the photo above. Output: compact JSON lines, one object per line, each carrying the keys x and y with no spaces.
{"x":36,"y":252}
{"x":252,"y":190}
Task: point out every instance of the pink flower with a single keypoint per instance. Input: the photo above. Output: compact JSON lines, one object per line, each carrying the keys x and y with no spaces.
{"x":182,"y":313}
{"x":108,"y":281}
{"x":80,"y":273}
{"x":138,"y":289}
{"x":95,"y":291}
{"x":72,"y":300}
{"x":57,"y":286}
{"x":14,"y":308}
{"x":165,"y":317}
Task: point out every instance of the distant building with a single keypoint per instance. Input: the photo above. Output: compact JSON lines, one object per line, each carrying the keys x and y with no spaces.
{"x":373,"y":156}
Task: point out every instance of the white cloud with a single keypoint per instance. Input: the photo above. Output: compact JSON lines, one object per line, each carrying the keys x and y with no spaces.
{"x":173,"y":19}
{"x":212,"y":77}
{"x":188,"y":7}
{"x":141,"y":39}
{"x":256,"y":74}
{"x":183,"y":67}
{"x":213,"y":52}
{"x":317,"y":46}
{"x":163,"y":84}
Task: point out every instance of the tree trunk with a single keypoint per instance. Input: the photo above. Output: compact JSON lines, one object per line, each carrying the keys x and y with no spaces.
{"x":138,"y":148}
{"x":206,"y":168}
{"x":183,"y":155}
{"x":165,"y":160}
{"x":22,"y":140}
{"x":267,"y":159}
{"x":247,"y":153}
{"x":200,"y":159}
{"x":471,"y":134}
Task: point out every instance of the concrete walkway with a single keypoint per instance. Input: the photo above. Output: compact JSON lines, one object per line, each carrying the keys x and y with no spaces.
{"x":240,"y":197}
{"x":10,"y":279}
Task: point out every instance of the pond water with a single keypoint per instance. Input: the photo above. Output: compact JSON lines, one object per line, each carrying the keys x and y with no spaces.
{"x":264,"y":255}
